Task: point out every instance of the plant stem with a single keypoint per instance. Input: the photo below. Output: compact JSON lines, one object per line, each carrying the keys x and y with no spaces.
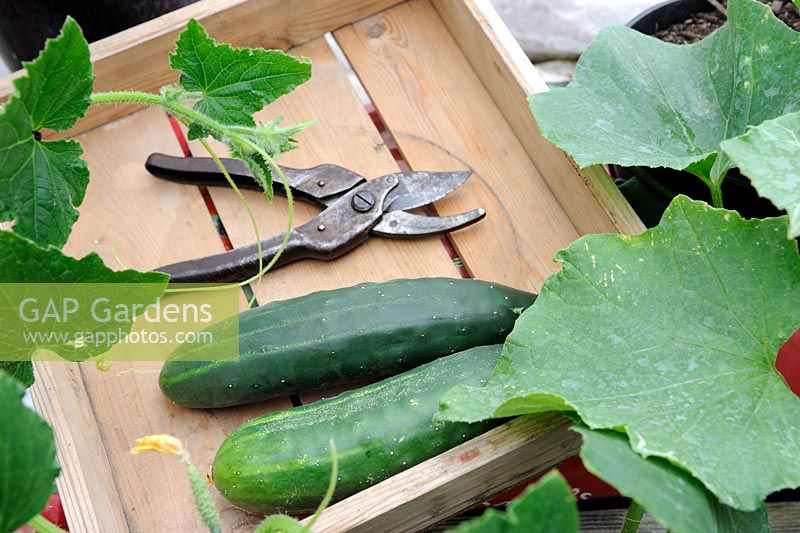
{"x":633,"y":518}
{"x":326,"y":500}
{"x":287,"y":235}
{"x":126,"y":97}
{"x":202,"y":497}
{"x":176,"y":109}
{"x":290,"y":204}
{"x":42,"y":525}
{"x":242,"y":200}
{"x":716,"y":194}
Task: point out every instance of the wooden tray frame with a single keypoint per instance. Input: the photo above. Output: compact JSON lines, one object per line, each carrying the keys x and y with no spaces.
{"x":93,"y":496}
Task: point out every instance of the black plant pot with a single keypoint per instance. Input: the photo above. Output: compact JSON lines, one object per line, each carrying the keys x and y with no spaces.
{"x":650,"y":190}
{"x":666,"y":14}
{"x":25,"y":24}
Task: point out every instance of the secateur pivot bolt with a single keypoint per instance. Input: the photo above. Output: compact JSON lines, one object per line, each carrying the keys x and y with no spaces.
{"x":363,"y":201}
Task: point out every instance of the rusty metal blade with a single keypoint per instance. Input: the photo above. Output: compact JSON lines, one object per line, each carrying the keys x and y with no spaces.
{"x":417,"y":188}
{"x":399,"y":224}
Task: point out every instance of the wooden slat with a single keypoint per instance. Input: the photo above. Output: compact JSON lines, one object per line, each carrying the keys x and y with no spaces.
{"x":136,"y":59}
{"x":86,"y":483}
{"x":784,"y":517}
{"x":144,"y":222}
{"x":344,"y":135}
{"x":443,"y":118}
{"x":457,"y":479}
{"x":594,"y":204}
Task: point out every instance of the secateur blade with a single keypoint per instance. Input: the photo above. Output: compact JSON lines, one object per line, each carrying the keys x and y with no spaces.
{"x":417,"y":188}
{"x":399,"y":224}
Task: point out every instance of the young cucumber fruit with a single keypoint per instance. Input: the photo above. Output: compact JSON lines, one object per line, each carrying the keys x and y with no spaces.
{"x":334,"y":337}
{"x":281,"y":462}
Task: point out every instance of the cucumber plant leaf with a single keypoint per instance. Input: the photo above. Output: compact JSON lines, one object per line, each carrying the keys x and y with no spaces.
{"x":22,"y":262}
{"x":678,"y":501}
{"x":635,"y":100}
{"x":27,"y":458}
{"x":57,"y":88}
{"x":548,"y":506}
{"x":672,"y":337}
{"x":233,"y":83}
{"x":769,"y":155}
{"x":22,"y":371}
{"x":42,"y":183}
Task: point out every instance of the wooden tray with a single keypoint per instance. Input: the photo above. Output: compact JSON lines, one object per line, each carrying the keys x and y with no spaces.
{"x":449,"y":84}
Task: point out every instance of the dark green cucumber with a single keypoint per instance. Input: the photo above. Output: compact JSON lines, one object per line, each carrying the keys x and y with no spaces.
{"x":334,"y":337}
{"x":281,"y":462}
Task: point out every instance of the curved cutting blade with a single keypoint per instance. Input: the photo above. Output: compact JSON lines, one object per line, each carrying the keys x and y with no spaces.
{"x":399,"y":224}
{"x":417,"y":188}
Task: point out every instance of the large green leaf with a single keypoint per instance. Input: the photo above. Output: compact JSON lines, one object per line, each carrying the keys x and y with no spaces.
{"x":58,"y":83}
{"x":42,"y":183}
{"x":635,"y":100}
{"x":677,"y":500}
{"x":769,"y":155}
{"x":671,"y":336}
{"x":548,"y":506}
{"x":22,"y":262}
{"x":27,"y":458}
{"x":233,"y":82}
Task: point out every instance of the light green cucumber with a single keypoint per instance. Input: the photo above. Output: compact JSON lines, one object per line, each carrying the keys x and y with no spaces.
{"x":281,"y":463}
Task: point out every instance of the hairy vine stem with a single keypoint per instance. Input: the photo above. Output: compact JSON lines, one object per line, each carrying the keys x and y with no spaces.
{"x":244,"y":203}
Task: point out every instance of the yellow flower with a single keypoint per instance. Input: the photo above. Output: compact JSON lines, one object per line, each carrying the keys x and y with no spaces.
{"x":158,"y":443}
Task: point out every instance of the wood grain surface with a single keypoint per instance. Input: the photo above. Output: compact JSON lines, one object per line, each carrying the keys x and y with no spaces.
{"x":442,"y":117}
{"x":137,"y":58}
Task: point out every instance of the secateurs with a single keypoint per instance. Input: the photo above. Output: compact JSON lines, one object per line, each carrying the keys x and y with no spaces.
{"x":354,"y":209}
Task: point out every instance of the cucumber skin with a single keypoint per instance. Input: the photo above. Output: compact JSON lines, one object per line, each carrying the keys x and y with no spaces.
{"x":281,"y":463}
{"x":335,"y":337}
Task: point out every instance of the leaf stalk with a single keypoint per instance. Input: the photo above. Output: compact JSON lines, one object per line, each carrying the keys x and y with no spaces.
{"x":633,"y":518}
{"x":716,"y":194}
